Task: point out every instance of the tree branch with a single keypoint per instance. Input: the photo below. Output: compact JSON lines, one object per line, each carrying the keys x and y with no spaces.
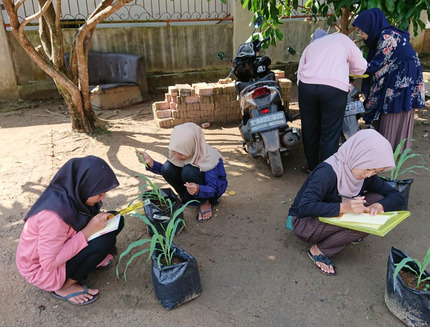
{"x":37,"y":15}
{"x":104,"y":10}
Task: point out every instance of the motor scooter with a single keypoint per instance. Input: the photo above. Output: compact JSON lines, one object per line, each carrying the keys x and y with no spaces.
{"x":264,"y":128}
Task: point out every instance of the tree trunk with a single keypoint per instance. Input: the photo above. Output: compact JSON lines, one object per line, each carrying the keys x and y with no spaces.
{"x":344,"y":21}
{"x":73,"y":85}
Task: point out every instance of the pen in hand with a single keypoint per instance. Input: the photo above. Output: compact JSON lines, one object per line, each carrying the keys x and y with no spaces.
{"x":353,"y":198}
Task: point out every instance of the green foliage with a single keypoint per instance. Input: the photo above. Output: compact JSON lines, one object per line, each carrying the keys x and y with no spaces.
{"x":399,"y":12}
{"x":401,"y":158}
{"x":154,"y":194}
{"x":420,"y":274}
{"x":102,"y":130}
{"x":161,"y":244}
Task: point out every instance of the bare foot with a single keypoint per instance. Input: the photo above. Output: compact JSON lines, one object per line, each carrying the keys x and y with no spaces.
{"x":75,"y":288}
{"x":205,"y":211}
{"x":326,"y":268}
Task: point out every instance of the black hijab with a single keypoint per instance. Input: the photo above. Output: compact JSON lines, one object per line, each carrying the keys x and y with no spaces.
{"x":74,"y":183}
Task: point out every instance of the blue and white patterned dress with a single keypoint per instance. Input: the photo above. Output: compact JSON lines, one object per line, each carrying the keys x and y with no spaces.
{"x":396,"y":77}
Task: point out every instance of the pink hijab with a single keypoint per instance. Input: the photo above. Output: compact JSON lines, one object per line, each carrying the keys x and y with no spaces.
{"x":367,"y":149}
{"x":188,"y":139}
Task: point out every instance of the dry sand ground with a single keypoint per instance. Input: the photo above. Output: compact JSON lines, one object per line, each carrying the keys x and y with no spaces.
{"x":253,"y":271}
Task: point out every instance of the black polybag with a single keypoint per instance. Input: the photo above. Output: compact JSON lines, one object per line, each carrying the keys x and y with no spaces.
{"x":404,"y":187}
{"x":411,"y":306}
{"x":176,"y":284}
{"x":160,"y":218}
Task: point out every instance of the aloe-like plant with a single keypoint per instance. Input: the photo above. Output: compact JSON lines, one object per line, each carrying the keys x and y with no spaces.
{"x":420,"y":274}
{"x":401,"y":157}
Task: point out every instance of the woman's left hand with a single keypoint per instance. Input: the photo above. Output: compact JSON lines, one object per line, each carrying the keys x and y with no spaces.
{"x":192,"y":188}
{"x":374,"y":208}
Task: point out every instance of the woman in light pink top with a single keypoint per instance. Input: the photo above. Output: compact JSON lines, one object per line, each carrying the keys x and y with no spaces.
{"x":54,"y":253}
{"x":323,"y":78}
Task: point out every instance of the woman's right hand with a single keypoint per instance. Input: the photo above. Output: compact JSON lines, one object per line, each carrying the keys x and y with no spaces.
{"x":98,"y":222}
{"x":355,"y":205}
{"x":146,"y":157}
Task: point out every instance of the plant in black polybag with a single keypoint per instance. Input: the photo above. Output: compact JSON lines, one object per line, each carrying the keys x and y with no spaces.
{"x":176,"y":283}
{"x":175,"y":274}
{"x":405,"y":299}
{"x":400,"y":158}
{"x":160,"y":215}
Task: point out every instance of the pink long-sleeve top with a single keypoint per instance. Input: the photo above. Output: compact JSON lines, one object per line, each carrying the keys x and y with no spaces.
{"x":329,"y":60}
{"x":45,"y":245}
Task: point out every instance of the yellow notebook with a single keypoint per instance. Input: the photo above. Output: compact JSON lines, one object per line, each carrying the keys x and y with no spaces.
{"x":379,"y":225}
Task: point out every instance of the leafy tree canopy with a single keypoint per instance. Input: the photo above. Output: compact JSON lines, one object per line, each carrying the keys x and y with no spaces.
{"x":339,"y":13}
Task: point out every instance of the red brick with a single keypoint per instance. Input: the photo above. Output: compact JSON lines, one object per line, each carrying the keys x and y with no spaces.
{"x":160,"y":105}
{"x":181,"y":107}
{"x":207,"y":106}
{"x":165,"y":123}
{"x":192,"y":99}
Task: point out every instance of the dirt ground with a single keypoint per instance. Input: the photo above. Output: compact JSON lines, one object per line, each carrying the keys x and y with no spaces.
{"x":253,"y":271}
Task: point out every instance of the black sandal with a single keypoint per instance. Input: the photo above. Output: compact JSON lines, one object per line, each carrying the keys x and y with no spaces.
{"x":322,"y":258}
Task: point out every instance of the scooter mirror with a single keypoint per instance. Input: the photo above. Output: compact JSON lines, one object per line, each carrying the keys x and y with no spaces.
{"x":291,"y":51}
{"x":258,"y":22}
{"x":221,"y":56}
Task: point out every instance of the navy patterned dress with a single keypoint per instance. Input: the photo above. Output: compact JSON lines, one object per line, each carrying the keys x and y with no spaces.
{"x":395,"y":71}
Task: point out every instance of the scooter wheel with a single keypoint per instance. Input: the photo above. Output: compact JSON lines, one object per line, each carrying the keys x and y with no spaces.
{"x":275,"y":163}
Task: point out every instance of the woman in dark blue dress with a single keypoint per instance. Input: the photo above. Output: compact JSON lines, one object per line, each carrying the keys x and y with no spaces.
{"x":395,"y":87}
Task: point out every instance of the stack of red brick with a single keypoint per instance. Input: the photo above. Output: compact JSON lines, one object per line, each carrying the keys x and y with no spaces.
{"x":205,"y":103}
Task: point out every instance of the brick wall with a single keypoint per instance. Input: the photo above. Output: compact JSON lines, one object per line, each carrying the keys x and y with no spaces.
{"x":203,"y":103}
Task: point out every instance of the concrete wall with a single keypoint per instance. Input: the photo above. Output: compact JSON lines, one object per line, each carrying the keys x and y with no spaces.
{"x":173,"y":54}
{"x":167,"y":50}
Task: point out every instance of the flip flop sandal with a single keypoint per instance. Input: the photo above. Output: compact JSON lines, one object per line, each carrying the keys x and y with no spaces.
{"x":67,"y":298}
{"x":106,"y":266}
{"x":322,"y":258}
{"x":202,"y":213}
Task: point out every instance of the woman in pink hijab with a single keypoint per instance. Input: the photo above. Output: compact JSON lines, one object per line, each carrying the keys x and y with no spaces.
{"x":345,"y":182}
{"x":194,"y":168}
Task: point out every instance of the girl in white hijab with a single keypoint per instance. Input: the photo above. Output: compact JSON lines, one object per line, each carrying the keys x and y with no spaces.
{"x":345,"y":182}
{"x":194,"y":168}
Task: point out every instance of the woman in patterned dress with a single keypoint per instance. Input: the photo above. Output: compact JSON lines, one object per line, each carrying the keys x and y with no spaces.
{"x":395,"y":87}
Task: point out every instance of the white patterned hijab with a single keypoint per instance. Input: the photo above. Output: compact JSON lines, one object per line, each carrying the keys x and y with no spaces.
{"x":188,"y":139}
{"x":367,"y":149}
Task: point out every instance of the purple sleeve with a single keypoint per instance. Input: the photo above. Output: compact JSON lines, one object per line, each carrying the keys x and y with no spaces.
{"x":215,"y":182}
{"x":156,"y":168}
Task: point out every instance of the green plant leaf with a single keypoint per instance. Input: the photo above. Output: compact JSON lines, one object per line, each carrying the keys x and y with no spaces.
{"x":161,"y":244}
{"x":137,"y":254}
{"x":129,"y":248}
{"x":400,"y":159}
{"x":403,"y":264}
{"x":421,"y":265}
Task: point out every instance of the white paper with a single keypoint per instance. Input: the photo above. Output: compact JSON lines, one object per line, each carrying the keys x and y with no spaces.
{"x":365,"y":218}
{"x":111,"y":225}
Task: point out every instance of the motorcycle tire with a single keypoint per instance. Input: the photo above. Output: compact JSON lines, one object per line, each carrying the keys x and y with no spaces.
{"x":275,"y":163}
